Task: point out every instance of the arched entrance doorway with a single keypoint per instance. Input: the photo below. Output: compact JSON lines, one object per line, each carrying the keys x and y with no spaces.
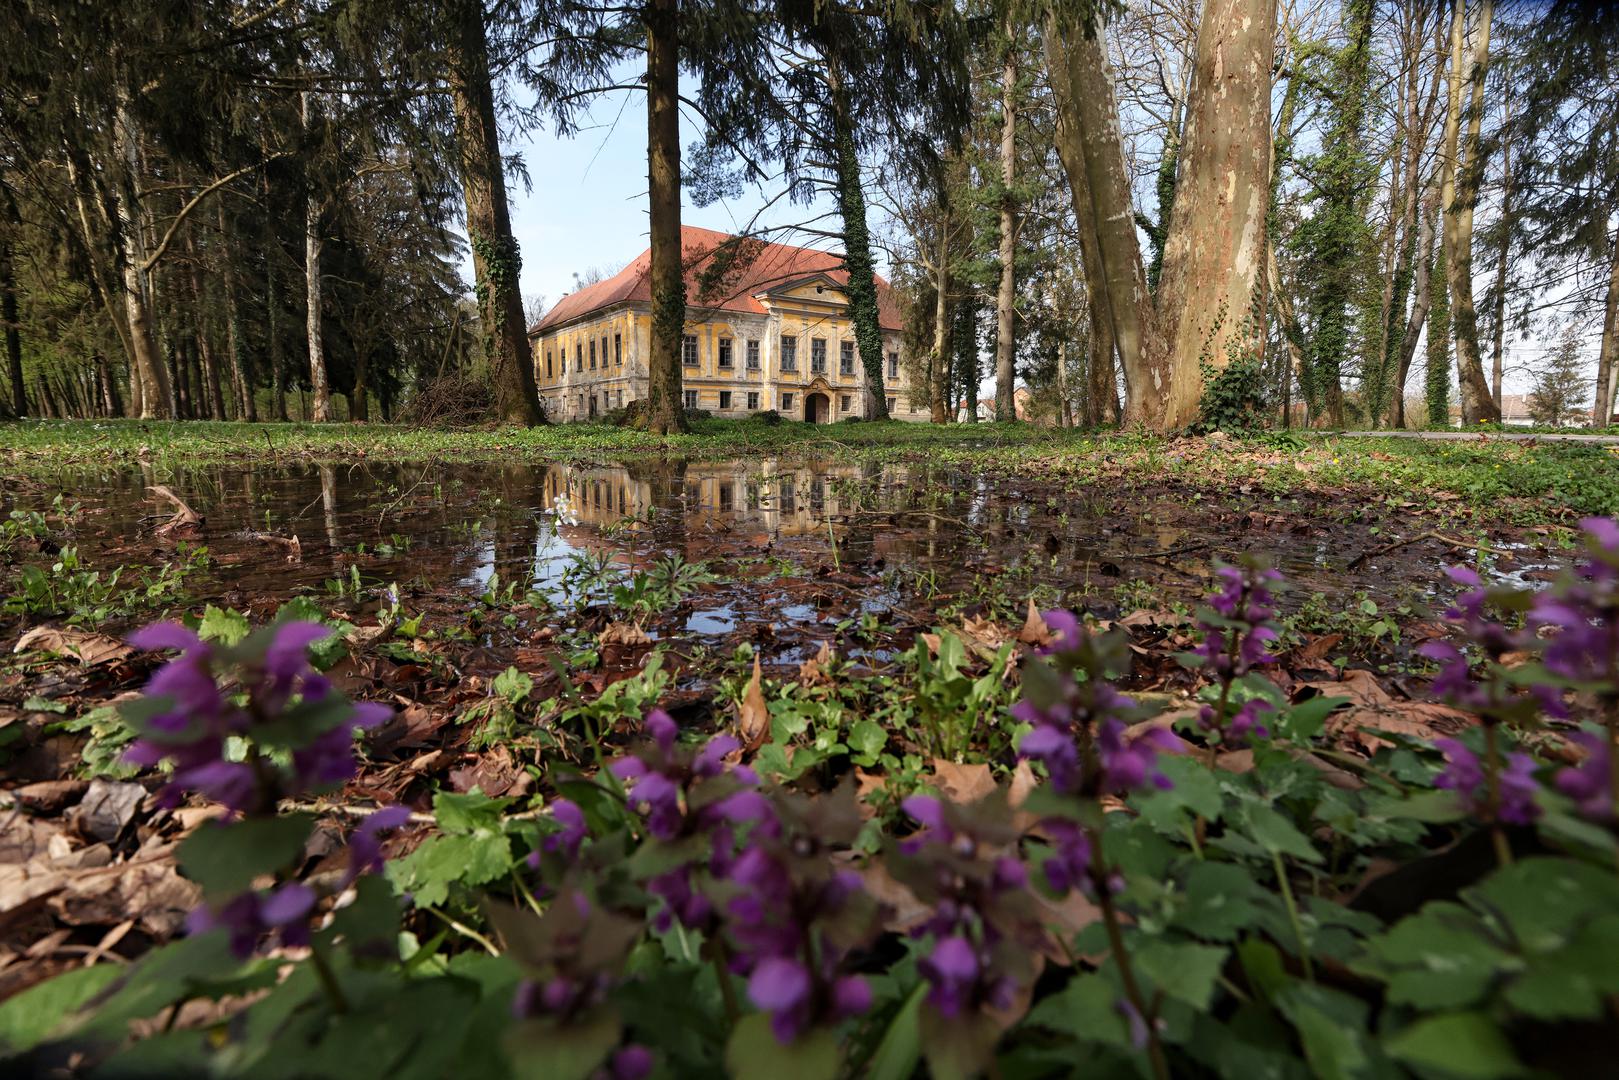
{"x":817,"y":408}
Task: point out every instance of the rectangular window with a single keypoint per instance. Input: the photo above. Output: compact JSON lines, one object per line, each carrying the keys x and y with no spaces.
{"x":818,"y":355}
{"x":579,"y":358}
{"x":843,"y":402}
{"x":846,"y":358}
{"x":604,"y":350}
{"x":753,"y":400}
{"x":725,"y":399}
{"x":688,"y":351}
{"x":890,"y":405}
{"x":618,"y":350}
{"x":786,"y":402}
{"x":753,"y":354}
{"x":548,"y":358}
{"x":725,"y":353}
{"x":789,"y":354}
{"x":691,"y":399}
{"x":893,"y":365}
{"x":592,"y":354}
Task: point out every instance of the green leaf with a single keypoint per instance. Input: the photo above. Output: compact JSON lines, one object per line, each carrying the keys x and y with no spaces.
{"x":1432,"y":807}
{"x":899,"y":1051}
{"x":513,"y":685}
{"x":867,"y":739}
{"x":224,"y":859}
{"x":440,"y":861}
{"x":547,"y":1050}
{"x":1464,"y":1044}
{"x":755,"y":1051}
{"x":1273,"y":832}
{"x":1305,"y":720}
{"x":37,"y":1012}
{"x":1182,"y":970}
{"x":224,"y":625}
{"x":1218,"y":901}
{"x":1086,"y":1009}
{"x":1196,"y":792}
{"x":1331,"y":1026}
{"x":469,"y":813}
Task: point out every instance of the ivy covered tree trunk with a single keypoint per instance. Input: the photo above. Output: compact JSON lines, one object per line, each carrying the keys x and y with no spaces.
{"x":496,"y":261}
{"x":1459,"y":194}
{"x":1006,"y":294}
{"x":665,"y":412}
{"x":858,"y":262}
{"x":8,"y":317}
{"x":1213,"y":280}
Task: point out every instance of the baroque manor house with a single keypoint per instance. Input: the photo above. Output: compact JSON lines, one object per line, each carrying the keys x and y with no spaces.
{"x":767,"y":328}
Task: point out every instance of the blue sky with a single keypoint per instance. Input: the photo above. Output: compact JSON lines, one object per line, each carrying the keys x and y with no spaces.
{"x":587,"y":204}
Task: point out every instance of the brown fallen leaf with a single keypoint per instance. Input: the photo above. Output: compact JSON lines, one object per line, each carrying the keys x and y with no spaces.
{"x":1035,"y":632}
{"x":49,"y":796}
{"x":816,"y":670}
{"x":962,"y":783}
{"x":623,"y":633}
{"x":753,"y":715}
{"x":290,"y":545}
{"x":107,"y":809}
{"x":85,"y":646}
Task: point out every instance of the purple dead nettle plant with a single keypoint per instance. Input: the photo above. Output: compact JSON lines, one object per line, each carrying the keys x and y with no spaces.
{"x":1569,"y":642}
{"x":1238,"y":627}
{"x":1081,"y":733}
{"x":248,"y":726}
{"x":1580,"y":619}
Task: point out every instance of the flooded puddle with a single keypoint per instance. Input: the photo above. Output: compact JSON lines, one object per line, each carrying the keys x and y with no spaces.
{"x":799,"y":544}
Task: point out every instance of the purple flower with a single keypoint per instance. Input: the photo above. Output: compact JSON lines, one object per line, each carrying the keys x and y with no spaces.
{"x":1590,"y":783}
{"x":951,"y":970}
{"x":365,"y":847}
{"x":249,"y":917}
{"x":781,"y":987}
{"x":1464,"y":774}
{"x":632,"y":1062}
{"x":1128,"y":765}
{"x":566,"y":840}
{"x":1070,"y":862}
{"x":1065,"y":629}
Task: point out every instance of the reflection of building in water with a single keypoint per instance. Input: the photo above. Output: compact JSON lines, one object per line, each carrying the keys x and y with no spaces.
{"x":766,"y":497}
{"x":772,"y":332}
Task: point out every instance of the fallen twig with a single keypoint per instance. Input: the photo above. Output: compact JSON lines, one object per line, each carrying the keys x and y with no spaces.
{"x":1356,"y":562}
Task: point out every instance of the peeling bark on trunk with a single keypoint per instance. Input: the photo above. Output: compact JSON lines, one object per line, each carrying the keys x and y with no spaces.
{"x":1459,"y":180}
{"x":496,"y":261}
{"x":1214,"y":252}
{"x":320,"y":410}
{"x":156,"y":391}
{"x":1005,"y":296}
{"x":665,"y":413}
{"x":1607,"y":383}
{"x":939,"y":390}
{"x":1082,"y":81}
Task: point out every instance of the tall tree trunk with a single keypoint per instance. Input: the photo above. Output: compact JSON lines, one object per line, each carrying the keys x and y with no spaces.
{"x":1005,"y":295}
{"x":359,"y":410}
{"x":1082,"y":83}
{"x":939,"y":388}
{"x":496,"y":260}
{"x":109,"y":387}
{"x":1100,"y":395}
{"x":1419,"y":306}
{"x":966,"y":365}
{"x":1437,"y":382}
{"x":157,"y":394}
{"x":665,"y":411}
{"x":215,"y":398}
{"x":321,"y":410}
{"x":858,"y":262}
{"x":1503,"y":252}
{"x":1459,"y":193}
{"x":1213,"y":282}
{"x":241,"y":378}
{"x":8,"y":312}
{"x":1608,"y":353}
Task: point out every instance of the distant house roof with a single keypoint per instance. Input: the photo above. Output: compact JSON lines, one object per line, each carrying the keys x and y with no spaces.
{"x":760,"y":268}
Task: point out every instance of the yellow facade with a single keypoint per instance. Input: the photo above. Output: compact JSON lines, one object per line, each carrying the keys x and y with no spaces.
{"x":797,"y":357}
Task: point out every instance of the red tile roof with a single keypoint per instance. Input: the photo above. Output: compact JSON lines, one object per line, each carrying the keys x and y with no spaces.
{"x":770,"y":267}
